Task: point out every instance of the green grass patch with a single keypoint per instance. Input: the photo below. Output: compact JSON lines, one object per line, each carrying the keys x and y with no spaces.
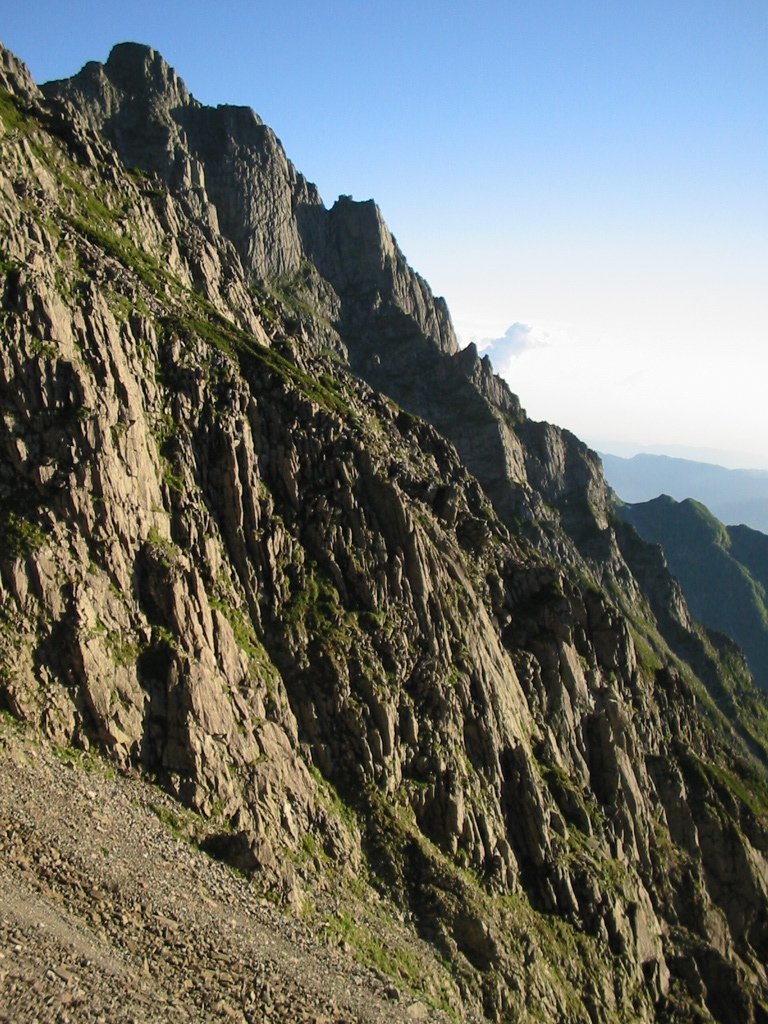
{"x":396,"y":960}
{"x":242,"y":628}
{"x":208,"y":325}
{"x":315,"y":604}
{"x":148,"y":269}
{"x":751,"y":790}
{"x":331,"y":800}
{"x":179,"y":824}
{"x":173,"y":478}
{"x":18,"y":536}
{"x":123,"y":652}
{"x":13,"y":114}
{"x":165,"y":551}
{"x":87,"y":760}
{"x":8,"y":265}
{"x":647,"y":657}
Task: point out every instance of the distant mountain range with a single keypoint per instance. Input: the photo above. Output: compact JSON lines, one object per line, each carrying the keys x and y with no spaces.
{"x":723,"y":570}
{"x":733,"y":495}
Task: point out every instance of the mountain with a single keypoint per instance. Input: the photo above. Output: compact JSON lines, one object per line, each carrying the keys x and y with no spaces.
{"x":738,"y":496}
{"x":723,"y":570}
{"x":272,"y":543}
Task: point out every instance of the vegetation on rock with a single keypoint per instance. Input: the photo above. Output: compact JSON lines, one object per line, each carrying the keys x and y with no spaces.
{"x":287,"y":551}
{"x":723,"y":570}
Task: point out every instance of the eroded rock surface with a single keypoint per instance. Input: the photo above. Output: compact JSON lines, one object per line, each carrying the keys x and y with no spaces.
{"x":410,"y":663}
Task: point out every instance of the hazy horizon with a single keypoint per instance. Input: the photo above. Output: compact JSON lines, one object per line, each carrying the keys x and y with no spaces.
{"x":690,"y":453}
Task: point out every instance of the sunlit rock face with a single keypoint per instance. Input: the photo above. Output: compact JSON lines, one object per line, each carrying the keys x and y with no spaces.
{"x":269,"y":536}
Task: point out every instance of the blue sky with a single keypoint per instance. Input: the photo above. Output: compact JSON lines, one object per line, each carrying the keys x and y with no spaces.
{"x":594,"y":173}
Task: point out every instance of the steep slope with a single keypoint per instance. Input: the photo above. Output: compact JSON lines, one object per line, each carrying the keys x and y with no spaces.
{"x":723,"y":570}
{"x":750,"y":547}
{"x":108,"y":911}
{"x":229,"y":563}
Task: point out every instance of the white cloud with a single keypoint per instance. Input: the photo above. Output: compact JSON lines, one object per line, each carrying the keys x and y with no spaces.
{"x":517,"y":338}
{"x":636,"y":383}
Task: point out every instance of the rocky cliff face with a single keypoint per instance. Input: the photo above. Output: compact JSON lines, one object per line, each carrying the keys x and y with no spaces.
{"x":381,"y":654}
{"x":395,"y":333}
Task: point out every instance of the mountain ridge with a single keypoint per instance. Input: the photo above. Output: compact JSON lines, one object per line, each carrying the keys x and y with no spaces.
{"x":234,"y":560}
{"x":735,"y":496}
{"x":379,"y":302}
{"x":723,"y":570}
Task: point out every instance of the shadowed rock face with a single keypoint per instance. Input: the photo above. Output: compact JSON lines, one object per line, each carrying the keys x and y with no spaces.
{"x":382,"y":654}
{"x":233,"y":174}
{"x":229,"y":164}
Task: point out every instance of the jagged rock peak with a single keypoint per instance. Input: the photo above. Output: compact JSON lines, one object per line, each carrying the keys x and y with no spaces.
{"x":234,"y":175}
{"x":138,"y":68}
{"x":357,"y":252}
{"x":133,"y":73}
{"x":230,"y":167}
{"x":15,"y":76}
{"x":143,"y":76}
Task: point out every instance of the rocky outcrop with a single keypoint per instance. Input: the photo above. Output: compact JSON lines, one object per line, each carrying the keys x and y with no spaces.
{"x":228,"y":165}
{"x":15,"y":77}
{"x":229,"y":562}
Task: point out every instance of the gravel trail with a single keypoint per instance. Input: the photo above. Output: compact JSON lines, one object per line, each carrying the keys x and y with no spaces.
{"x":106,"y":916}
